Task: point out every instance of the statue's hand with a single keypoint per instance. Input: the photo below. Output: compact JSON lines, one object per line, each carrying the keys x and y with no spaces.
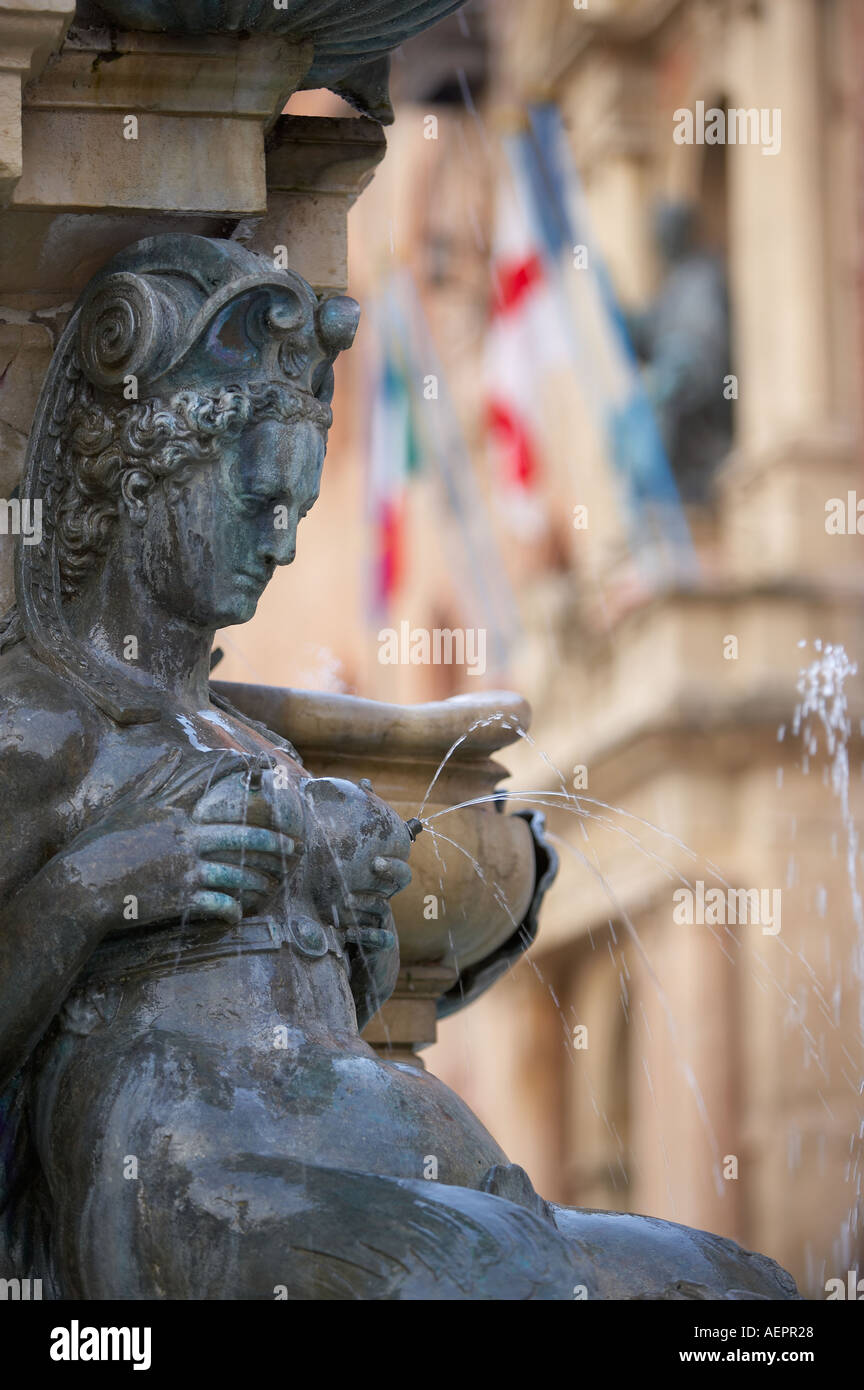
{"x":358,"y":850}
{"x":148,"y":847}
{"x":358,"y":853}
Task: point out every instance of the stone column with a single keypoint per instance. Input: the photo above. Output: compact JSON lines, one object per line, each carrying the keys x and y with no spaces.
{"x":795,"y":447}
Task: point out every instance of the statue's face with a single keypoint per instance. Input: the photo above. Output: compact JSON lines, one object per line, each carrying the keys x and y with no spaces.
{"x":213,"y":540}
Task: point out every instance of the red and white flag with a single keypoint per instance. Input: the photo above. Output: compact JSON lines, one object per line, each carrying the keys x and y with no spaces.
{"x":525,"y":338}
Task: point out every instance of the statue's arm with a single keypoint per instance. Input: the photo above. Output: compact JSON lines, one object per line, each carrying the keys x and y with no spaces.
{"x":62,"y":889}
{"x":50,"y":917}
{"x":48,"y":929}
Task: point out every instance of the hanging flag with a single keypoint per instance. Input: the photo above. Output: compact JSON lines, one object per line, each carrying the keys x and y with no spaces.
{"x":487,"y":595}
{"x":524,"y":340}
{"x":394,"y":456}
{"x":598,"y":344}
{"x":408,"y":431}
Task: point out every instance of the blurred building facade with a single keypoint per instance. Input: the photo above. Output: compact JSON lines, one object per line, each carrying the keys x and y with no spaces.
{"x":696,"y":1073}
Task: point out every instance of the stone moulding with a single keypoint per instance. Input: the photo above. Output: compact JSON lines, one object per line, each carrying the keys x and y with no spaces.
{"x":189,"y":75}
{"x":352,"y":42}
{"x":323,"y":154}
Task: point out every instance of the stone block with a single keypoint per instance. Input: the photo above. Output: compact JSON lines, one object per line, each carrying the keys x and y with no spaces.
{"x":154,"y":122}
{"x":316,"y":168}
{"x":30,"y":31}
{"x":208,"y":165}
{"x":25,"y":351}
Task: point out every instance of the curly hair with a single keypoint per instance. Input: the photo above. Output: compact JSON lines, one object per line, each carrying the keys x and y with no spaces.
{"x":162,"y":438}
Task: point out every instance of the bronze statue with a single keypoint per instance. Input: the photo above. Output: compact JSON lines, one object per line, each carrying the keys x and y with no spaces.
{"x":684,"y":337}
{"x":193,"y":929}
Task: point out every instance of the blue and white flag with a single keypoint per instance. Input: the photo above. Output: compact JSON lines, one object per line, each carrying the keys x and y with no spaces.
{"x":600,"y":350}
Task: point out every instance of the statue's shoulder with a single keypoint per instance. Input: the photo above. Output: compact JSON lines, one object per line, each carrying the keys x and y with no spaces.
{"x":43,"y":718}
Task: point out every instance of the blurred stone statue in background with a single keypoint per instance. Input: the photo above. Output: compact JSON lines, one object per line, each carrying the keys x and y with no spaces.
{"x":684,"y":338}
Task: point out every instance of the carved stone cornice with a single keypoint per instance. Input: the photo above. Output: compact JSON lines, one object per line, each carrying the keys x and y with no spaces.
{"x":201,"y":105}
{"x":30,"y":31}
{"x":323,"y":154}
{"x":202,"y":74}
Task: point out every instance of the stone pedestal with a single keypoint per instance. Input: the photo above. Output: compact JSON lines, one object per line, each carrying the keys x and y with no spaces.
{"x":408,"y":1020}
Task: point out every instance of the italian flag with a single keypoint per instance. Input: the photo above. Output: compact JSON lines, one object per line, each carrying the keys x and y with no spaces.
{"x":395,"y":457}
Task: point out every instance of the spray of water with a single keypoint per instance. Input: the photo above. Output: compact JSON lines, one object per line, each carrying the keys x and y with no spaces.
{"x":823,"y":709}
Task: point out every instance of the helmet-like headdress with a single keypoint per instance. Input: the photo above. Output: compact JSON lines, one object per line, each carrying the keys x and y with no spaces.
{"x":171,"y":313}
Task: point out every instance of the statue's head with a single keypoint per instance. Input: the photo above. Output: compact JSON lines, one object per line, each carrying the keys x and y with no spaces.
{"x":182,"y":426}
{"x":200,"y":493}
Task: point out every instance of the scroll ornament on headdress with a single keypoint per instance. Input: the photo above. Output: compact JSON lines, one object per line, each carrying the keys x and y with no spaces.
{"x":175,"y":313}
